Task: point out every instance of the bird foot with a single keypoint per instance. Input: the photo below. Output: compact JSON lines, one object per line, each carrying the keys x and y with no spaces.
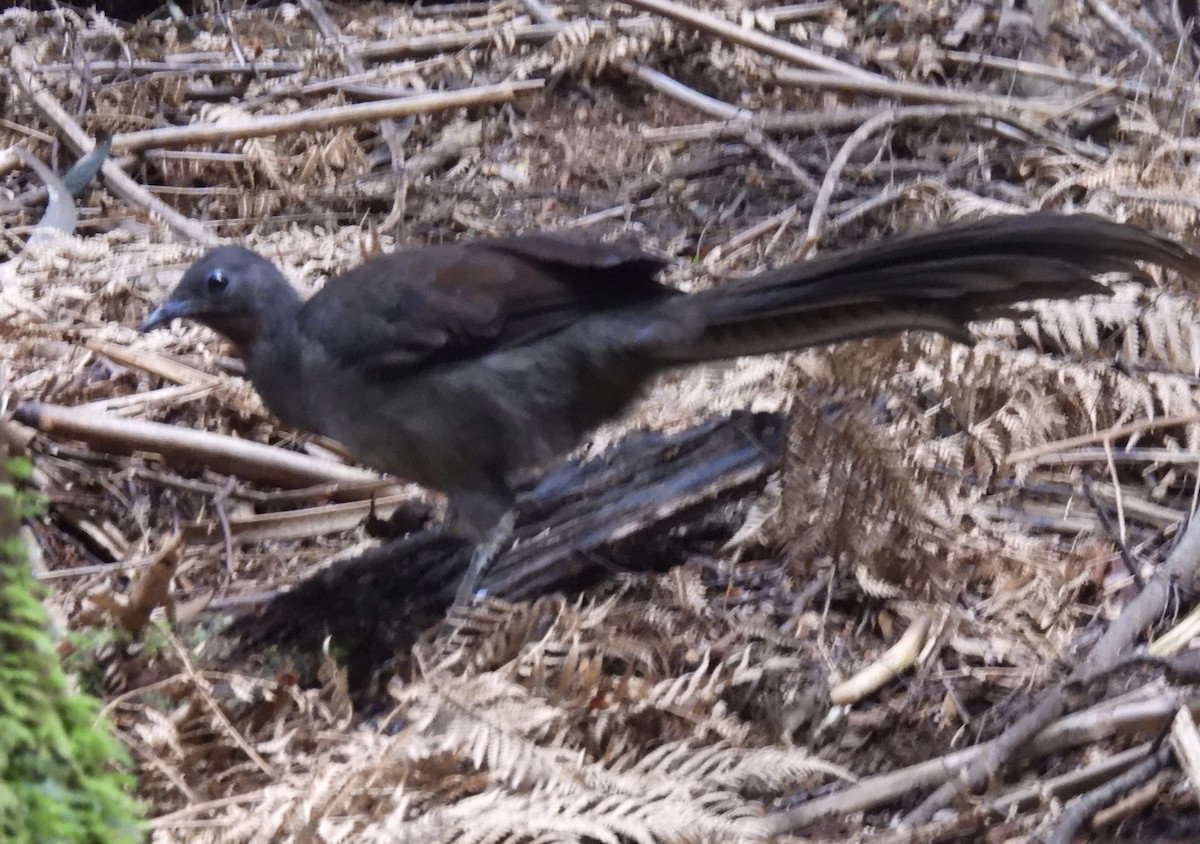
{"x":482,"y":557}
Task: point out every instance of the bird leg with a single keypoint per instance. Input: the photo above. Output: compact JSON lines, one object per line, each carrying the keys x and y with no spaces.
{"x":484,"y":554}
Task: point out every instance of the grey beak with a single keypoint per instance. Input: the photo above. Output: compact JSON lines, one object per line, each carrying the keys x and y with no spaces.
{"x":164,"y":313}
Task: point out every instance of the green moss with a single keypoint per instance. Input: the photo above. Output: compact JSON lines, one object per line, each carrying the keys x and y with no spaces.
{"x":63,"y":777}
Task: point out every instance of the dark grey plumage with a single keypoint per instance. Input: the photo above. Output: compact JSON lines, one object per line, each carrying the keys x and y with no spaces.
{"x":462,"y":366}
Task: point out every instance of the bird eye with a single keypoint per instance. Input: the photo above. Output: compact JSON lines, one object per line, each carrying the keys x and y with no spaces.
{"x":217,"y":281}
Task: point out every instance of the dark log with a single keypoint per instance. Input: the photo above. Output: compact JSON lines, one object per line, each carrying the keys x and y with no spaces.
{"x":646,"y":505}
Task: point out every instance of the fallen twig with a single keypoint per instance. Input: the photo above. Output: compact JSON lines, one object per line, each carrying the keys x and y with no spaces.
{"x":204,"y":689}
{"x":1109,"y":434}
{"x":883,"y":119}
{"x":754,"y":40}
{"x":298,"y":524}
{"x":119,"y":182}
{"x":880,"y":672}
{"x":248,"y":460}
{"x":393,"y":133}
{"x":1136,"y":802}
{"x":163,"y":367}
{"x":1185,"y":744}
{"x":751,"y":134}
{"x":767,"y":122}
{"x":1101,"y":721}
{"x":1082,"y":808}
{"x":450,"y":42}
{"x":913,"y":91}
{"x":1123,"y":28}
{"x":325,"y":118}
{"x":1181,"y":568}
{"x":1043,"y":71}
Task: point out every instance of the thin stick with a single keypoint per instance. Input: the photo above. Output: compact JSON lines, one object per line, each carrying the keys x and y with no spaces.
{"x":204,"y":689}
{"x":819,"y":80}
{"x":884,"y":118}
{"x":685,"y":94}
{"x":768,"y":122}
{"x":1101,"y":436}
{"x":1082,"y":808}
{"x":1185,"y":742}
{"x":163,"y":367}
{"x":1058,"y":74}
{"x":1099,"y":722}
{"x":119,"y":182}
{"x":299,"y":524}
{"x":1069,"y":784}
{"x":540,"y":11}
{"x":1181,"y":568}
{"x":1134,"y":803}
{"x":750,"y":38}
{"x":751,"y":134}
{"x":775,"y":223}
{"x":394,"y":134}
{"x":1122,"y":27}
{"x":452,"y":42}
{"x":894,"y":660}
{"x":316,"y":119}
{"x":249,"y":460}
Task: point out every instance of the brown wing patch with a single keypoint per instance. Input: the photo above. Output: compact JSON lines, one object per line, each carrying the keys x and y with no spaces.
{"x":437,"y":305}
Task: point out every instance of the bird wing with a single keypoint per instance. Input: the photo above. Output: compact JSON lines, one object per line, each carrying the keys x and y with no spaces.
{"x":410,"y":310}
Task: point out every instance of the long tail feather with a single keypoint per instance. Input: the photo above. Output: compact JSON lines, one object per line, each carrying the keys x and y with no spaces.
{"x":939,"y":281}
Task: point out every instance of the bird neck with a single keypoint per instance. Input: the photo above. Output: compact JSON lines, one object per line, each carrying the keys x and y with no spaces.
{"x":273,"y":360}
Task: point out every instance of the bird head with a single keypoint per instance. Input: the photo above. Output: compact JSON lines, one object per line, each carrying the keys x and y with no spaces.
{"x":232,"y":290}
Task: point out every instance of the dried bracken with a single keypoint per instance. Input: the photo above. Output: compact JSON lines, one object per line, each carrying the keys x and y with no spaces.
{"x":986,"y":506}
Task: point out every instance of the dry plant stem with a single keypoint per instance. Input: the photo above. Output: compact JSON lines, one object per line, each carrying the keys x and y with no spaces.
{"x":1123,"y":28}
{"x":200,"y":807}
{"x":685,"y":94}
{"x":1185,"y":743}
{"x":770,"y":123}
{"x":895,"y":659}
{"x":1164,"y":456}
{"x":1181,"y":567}
{"x":1092,"y":725}
{"x":881,"y":120}
{"x":1079,"y":810}
{"x":1069,"y":784}
{"x":298,"y":524}
{"x":1178,"y":637}
{"x":246,"y":460}
{"x":135,"y":404}
{"x":750,"y":38}
{"x":118,"y":181}
{"x":318,"y":119}
{"x":196,"y":68}
{"x":150,"y":759}
{"x":1041,"y":451}
{"x":815,"y":79}
{"x":452,"y":42}
{"x":755,"y":137}
{"x":202,"y":686}
{"x":171,"y":370}
{"x":1027,"y":68}
{"x":540,"y":11}
{"x":393,"y":134}
{"x":1134,"y":803}
{"x":9,"y":160}
{"x":724,"y":253}
{"x":1187,"y":200}
{"x":752,"y":135}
